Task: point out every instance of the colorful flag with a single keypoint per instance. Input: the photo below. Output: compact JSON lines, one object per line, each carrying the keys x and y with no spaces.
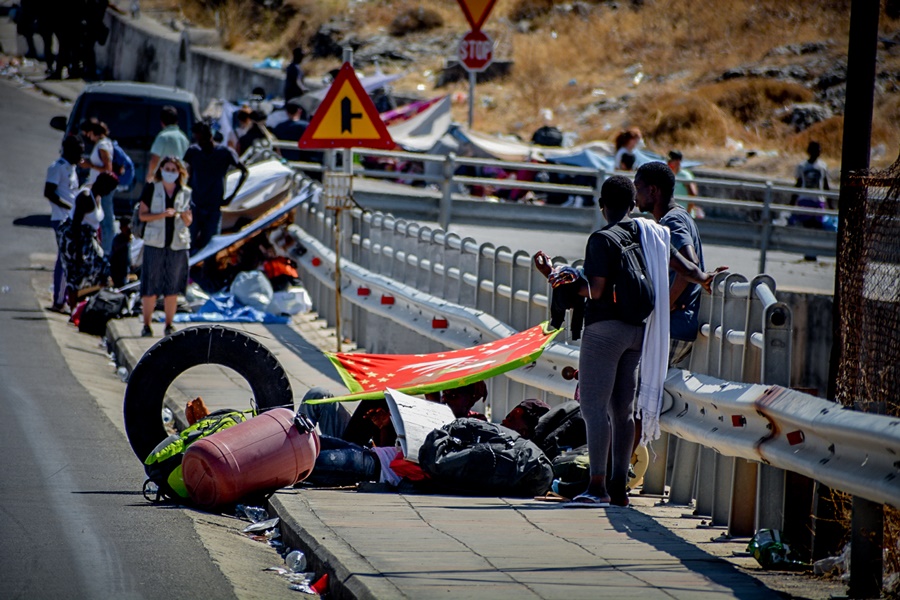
{"x":367,"y":375}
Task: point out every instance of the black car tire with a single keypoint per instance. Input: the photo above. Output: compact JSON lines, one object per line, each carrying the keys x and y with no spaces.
{"x":191,"y":347}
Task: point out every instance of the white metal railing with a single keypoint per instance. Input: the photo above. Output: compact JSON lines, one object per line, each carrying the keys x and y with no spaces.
{"x":745,"y":223}
{"x":748,"y":431}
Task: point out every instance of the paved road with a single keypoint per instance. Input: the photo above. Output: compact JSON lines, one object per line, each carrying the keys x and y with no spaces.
{"x":72,"y":521}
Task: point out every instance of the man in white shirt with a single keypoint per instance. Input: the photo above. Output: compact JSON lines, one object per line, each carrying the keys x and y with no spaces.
{"x":60,"y":189}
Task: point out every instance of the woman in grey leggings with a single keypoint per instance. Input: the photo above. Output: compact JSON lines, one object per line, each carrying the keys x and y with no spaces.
{"x":611,"y":346}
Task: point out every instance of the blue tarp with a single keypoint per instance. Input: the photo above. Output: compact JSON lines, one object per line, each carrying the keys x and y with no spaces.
{"x":224,"y":308}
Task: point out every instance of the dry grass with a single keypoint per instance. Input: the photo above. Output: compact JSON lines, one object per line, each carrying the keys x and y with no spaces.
{"x":679,"y":120}
{"x":560,"y":59}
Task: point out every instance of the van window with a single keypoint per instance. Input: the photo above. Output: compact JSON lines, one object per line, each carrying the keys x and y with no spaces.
{"x":134,"y":124}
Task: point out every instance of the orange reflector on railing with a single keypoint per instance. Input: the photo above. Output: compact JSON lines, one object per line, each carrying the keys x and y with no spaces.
{"x":795,"y":437}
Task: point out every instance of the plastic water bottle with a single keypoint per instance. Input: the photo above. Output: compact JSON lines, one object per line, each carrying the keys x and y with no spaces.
{"x":167,"y":416}
{"x":295,"y":561}
{"x":254,"y":513}
{"x":122,"y":372}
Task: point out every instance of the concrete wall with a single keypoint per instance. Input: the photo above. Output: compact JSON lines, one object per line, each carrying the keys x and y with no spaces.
{"x":146,"y":51}
{"x":812,"y":339}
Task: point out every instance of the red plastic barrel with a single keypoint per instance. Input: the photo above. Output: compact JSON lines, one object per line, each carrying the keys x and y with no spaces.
{"x":264,"y":453}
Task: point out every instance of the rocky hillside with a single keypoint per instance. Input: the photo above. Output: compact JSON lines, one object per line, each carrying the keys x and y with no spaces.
{"x":731,"y":82}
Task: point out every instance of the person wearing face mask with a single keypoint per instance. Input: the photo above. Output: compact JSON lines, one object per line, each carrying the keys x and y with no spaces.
{"x":166,"y":211}
{"x":60,"y":188}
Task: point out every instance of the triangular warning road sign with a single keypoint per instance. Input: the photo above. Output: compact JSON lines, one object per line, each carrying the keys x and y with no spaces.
{"x":346,"y":118}
{"x":476,"y":11}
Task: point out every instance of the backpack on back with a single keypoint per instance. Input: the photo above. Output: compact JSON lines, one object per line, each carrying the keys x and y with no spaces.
{"x":632,"y":291}
{"x":123,"y":165}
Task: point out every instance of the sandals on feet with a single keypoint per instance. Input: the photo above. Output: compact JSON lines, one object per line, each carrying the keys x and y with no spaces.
{"x":586,"y":500}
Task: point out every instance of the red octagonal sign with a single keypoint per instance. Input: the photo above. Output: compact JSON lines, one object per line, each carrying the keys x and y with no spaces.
{"x":476,"y":51}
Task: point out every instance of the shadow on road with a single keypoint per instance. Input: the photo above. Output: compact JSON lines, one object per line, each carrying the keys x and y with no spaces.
{"x":33,"y":221}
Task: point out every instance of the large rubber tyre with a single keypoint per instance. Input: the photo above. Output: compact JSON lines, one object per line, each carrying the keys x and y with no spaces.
{"x":191,"y":347}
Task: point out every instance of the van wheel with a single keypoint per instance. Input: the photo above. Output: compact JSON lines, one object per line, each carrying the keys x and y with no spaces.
{"x":191,"y":347}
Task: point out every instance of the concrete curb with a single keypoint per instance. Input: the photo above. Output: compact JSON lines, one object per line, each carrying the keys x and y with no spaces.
{"x":351,"y":576}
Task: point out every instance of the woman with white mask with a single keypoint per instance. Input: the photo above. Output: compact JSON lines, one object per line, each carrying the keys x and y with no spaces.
{"x":166,"y":212}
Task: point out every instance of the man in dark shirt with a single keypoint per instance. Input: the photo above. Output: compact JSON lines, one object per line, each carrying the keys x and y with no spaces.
{"x":208,"y":164}
{"x":655,"y":184}
{"x":293,"y":77}
{"x":291,"y":131}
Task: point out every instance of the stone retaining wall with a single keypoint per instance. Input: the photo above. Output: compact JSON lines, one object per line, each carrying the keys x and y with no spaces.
{"x":146,"y":51}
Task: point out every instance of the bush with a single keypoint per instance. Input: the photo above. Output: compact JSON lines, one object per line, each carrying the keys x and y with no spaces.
{"x":751,"y":101}
{"x":415,"y":19}
{"x":525,"y":10}
{"x":681,"y":120}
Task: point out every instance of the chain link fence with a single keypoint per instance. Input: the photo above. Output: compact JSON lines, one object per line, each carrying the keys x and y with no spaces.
{"x":868,"y":273}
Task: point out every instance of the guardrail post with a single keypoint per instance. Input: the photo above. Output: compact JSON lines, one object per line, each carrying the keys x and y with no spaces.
{"x":717,"y":299}
{"x":734,"y":315}
{"x":469,"y":259}
{"x":766,"y":230}
{"x":722,"y":492}
{"x":445,"y":207}
{"x":452,"y":256}
{"x":699,"y":358}
{"x":655,"y":477}
{"x":484,"y":300}
{"x":706,"y":479}
{"x":681,"y":490}
{"x":742,"y":512}
{"x":777,"y":348}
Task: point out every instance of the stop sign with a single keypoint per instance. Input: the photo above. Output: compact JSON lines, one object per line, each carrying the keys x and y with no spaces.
{"x":476,"y":51}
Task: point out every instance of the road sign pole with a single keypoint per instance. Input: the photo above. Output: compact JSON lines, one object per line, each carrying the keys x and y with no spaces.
{"x":340,"y":204}
{"x":471,"y":97}
{"x":346,"y":117}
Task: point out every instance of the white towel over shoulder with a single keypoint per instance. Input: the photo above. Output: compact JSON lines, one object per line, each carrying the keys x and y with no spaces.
{"x":655,"y":354}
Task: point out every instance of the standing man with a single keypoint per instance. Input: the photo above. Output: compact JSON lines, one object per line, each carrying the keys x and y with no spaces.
{"x":291,"y":130}
{"x":684,"y":183}
{"x":170,"y":141}
{"x":812,"y":174}
{"x":208,"y":163}
{"x":655,"y":184}
{"x":60,"y":189}
{"x":293,"y":77}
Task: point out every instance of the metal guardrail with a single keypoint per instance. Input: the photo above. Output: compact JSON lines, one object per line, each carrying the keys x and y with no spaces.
{"x":741,"y":223}
{"x":733,"y":439}
{"x":749,"y":431}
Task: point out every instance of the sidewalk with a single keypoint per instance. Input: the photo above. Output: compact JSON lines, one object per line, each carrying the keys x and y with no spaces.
{"x":389,"y":545}
{"x":398,"y":545}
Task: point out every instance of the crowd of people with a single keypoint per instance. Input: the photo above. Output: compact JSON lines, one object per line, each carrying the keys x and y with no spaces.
{"x":178,"y":213}
{"x":68,"y":32}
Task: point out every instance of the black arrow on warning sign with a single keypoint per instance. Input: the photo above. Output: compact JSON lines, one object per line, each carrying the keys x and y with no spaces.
{"x":347,"y":115}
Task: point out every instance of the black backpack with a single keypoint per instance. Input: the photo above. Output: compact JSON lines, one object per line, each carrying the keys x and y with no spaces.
{"x":632,"y":291}
{"x":103,"y":306}
{"x":548,"y":136}
{"x":470,"y":456}
{"x":560,"y":429}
